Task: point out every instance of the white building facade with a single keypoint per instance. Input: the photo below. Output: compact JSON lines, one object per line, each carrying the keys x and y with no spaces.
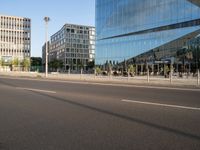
{"x":15,"y":38}
{"x":74,"y":45}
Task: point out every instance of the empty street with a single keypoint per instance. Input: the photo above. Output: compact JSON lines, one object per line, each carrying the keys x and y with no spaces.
{"x":66,"y":115}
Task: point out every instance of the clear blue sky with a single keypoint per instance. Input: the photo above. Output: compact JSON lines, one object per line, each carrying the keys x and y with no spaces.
{"x":60,"y":12}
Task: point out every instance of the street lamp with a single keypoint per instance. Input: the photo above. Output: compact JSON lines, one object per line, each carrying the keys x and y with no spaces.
{"x":46,"y":19}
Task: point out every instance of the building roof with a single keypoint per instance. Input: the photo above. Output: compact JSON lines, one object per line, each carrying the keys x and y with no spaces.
{"x":1,"y":15}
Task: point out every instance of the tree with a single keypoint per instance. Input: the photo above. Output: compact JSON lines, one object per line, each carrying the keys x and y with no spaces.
{"x":196,"y":56}
{"x":98,"y":70}
{"x":166,"y":70}
{"x":181,"y":54}
{"x":15,"y":62}
{"x":36,"y":61}
{"x":80,"y":64}
{"x":124,"y":65}
{"x":131,"y":68}
{"x":36,"y":64}
{"x":56,"y":64}
{"x":3,"y":63}
{"x":110,"y":67}
{"x":91,"y":64}
{"x":26,"y":64}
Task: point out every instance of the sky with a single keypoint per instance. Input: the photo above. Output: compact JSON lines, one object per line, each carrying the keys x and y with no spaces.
{"x":60,"y":12}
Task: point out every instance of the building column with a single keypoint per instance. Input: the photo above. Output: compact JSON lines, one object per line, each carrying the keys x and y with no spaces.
{"x":189,"y":67}
{"x":158,"y":69}
{"x":142,"y":69}
{"x":136,"y":70}
{"x":177,"y":67}
{"x":152,"y":68}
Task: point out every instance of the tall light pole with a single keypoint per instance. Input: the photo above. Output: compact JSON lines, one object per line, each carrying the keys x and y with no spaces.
{"x":46,"y":19}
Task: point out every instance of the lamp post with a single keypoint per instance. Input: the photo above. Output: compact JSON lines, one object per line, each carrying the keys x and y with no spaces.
{"x":46,"y":19}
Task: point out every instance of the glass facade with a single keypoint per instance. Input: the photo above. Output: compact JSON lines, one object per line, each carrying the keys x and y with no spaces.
{"x":154,"y":29}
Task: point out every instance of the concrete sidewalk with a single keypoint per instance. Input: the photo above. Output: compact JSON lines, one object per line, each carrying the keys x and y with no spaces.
{"x":142,"y":80}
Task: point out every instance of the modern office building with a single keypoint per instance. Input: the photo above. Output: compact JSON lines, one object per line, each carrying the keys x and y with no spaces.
{"x":15,"y":38}
{"x":74,"y":45}
{"x":152,"y":32}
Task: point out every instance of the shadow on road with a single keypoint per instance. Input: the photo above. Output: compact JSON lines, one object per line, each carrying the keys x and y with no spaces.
{"x":152,"y":125}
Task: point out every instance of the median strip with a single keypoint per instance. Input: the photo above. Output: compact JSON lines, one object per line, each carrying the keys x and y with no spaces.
{"x":163,"y":105}
{"x":36,"y":90}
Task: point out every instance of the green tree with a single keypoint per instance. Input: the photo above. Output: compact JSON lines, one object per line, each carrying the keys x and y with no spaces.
{"x":56,"y":64}
{"x":110,"y":68}
{"x":98,"y":70}
{"x":36,"y":64}
{"x":166,"y":69}
{"x":124,"y":65}
{"x":2,"y":62}
{"x":196,"y":56}
{"x":131,"y":68}
{"x":15,"y":62}
{"x":36,"y":61}
{"x":80,"y":64}
{"x":91,"y":64}
{"x":26,"y":64}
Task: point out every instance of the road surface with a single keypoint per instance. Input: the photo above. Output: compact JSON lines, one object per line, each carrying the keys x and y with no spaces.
{"x":56,"y":115}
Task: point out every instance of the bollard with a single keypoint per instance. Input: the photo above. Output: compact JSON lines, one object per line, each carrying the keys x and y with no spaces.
{"x":148,"y":75}
{"x":69,"y":71}
{"x":110,"y":76}
{"x":81,"y":73}
{"x":128,"y":76}
{"x":198,"y":77}
{"x":170,"y":77}
{"x":95,"y":72}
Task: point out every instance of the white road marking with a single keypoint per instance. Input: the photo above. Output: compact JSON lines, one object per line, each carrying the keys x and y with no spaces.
{"x":163,"y":105}
{"x":36,"y":90}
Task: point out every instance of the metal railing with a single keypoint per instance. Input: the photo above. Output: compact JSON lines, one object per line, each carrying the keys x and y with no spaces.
{"x":147,"y":79}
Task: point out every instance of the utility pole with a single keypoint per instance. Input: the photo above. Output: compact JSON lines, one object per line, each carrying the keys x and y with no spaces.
{"x":46,"y":19}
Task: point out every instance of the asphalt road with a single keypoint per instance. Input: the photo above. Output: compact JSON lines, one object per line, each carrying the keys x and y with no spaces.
{"x":52,"y":115}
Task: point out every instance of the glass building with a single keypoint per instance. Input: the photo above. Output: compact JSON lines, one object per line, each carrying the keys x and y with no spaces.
{"x":148,"y":32}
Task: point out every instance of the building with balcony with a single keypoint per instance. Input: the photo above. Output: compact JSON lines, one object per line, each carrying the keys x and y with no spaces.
{"x":15,"y":39}
{"x":74,"y":45}
{"x":148,"y":33}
